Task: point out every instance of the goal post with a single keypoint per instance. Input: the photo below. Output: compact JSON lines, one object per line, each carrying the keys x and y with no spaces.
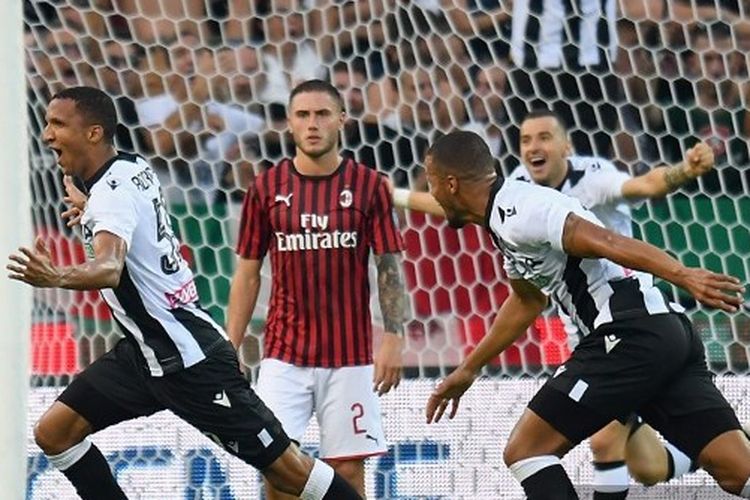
{"x":15,"y":298}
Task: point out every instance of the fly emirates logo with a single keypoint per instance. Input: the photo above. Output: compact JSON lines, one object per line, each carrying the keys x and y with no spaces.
{"x":315,"y":236}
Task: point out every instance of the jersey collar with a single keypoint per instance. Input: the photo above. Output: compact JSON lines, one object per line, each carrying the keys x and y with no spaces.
{"x":491,"y":200}
{"x":99,"y":173}
{"x":571,"y":175}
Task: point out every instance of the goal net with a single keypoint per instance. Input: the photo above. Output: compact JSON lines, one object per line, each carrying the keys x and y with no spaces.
{"x":201,"y":87}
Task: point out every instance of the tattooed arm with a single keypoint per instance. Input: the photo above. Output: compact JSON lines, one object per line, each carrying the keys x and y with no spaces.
{"x":663,"y":180}
{"x":392,"y":304}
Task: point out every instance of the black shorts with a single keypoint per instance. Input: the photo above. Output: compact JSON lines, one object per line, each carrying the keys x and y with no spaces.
{"x":654,"y":366}
{"x":212,"y":395}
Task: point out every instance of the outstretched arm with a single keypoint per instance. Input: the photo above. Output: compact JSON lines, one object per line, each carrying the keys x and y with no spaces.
{"x":242,"y":298}
{"x":388,"y":360}
{"x":35,"y":267}
{"x":583,"y":239}
{"x":418,"y":201}
{"x":663,"y":180}
{"x":518,"y":311}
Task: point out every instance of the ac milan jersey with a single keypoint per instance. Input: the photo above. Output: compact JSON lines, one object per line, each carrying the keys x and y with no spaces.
{"x":597,"y":183}
{"x":526,"y":221}
{"x":319,"y":231}
{"x":156,"y":302}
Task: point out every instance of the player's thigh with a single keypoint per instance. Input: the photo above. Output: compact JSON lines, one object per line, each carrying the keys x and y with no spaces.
{"x":288,"y":391}
{"x":533,"y":436}
{"x":348,"y":413}
{"x":113,"y":389}
{"x":215,"y":397}
{"x":691,"y":411}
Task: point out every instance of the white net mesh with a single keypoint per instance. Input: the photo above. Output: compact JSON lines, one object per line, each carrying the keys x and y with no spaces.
{"x":201,"y":87}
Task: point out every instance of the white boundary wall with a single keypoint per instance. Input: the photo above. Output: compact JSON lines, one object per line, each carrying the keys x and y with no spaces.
{"x":451,"y":460}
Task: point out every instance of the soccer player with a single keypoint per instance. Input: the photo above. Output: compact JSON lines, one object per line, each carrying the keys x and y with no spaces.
{"x":638,"y":352}
{"x":319,"y":215}
{"x":608,"y":193}
{"x":174,"y":356}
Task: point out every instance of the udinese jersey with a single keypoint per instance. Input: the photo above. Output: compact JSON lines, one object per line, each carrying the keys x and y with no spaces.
{"x":526,"y":222}
{"x":597,"y":183}
{"x":155,"y":303}
{"x":319,"y":231}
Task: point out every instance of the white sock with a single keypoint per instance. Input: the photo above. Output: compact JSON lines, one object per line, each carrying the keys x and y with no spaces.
{"x":611,"y":479}
{"x":320,"y":478}
{"x":681,"y":461}
{"x":746,"y":490}
{"x":66,"y":459}
{"x":529,"y":466}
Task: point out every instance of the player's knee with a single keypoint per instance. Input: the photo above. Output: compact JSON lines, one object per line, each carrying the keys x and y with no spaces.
{"x":351,"y":470}
{"x":514,"y":451}
{"x":290,"y":471}
{"x":607,"y":445}
{"x":49,"y":439}
{"x":732,"y":482}
{"x":644,"y":472}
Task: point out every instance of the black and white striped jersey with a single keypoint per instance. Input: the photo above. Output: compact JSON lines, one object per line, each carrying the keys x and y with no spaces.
{"x":597,"y":184}
{"x":156,"y":302}
{"x":526,"y":223}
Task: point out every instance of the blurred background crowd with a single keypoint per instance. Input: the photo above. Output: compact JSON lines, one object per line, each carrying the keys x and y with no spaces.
{"x":201,"y":88}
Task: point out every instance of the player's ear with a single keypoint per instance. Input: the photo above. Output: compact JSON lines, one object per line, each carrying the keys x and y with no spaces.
{"x":568,"y":146}
{"x":452,"y":182}
{"x":96,"y":133}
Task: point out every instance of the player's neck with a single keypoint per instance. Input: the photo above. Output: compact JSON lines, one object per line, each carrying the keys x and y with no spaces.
{"x":557,"y":181}
{"x":323,"y":165}
{"x":477,"y":200}
{"x":96,"y":159}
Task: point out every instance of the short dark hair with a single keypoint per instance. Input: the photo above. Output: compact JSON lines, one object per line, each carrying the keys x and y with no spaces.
{"x":96,"y":107}
{"x":546,"y":113}
{"x":463,"y":154}
{"x":317,"y":86}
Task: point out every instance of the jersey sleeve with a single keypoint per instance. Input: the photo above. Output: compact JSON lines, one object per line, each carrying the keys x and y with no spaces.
{"x":542,"y":218}
{"x":113,"y":209}
{"x":255,"y":227}
{"x":604,"y":186}
{"x":385,"y":236}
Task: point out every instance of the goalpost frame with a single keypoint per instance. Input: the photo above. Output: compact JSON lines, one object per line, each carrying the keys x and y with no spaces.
{"x":15,"y":224}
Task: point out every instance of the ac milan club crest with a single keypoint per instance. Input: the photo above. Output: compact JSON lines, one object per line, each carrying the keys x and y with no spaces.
{"x":346,"y":198}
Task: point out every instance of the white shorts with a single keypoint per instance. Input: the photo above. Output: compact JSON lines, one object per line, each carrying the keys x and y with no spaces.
{"x":346,"y":407}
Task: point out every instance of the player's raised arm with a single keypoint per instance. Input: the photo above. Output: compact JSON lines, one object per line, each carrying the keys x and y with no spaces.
{"x":581,"y":238}
{"x":661,"y":181}
{"x":519,"y":310}
{"x":35,"y":267}
{"x":418,"y":201}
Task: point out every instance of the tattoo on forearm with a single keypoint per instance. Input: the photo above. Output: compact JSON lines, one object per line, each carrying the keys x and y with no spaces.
{"x":675,"y":177}
{"x":391,"y":292}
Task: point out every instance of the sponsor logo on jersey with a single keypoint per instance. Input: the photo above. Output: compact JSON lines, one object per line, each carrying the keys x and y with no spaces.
{"x":315,"y":236}
{"x":113,"y":183}
{"x":187,"y":294}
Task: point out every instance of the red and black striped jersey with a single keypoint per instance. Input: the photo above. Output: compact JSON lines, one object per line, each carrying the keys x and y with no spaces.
{"x":319,"y":231}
